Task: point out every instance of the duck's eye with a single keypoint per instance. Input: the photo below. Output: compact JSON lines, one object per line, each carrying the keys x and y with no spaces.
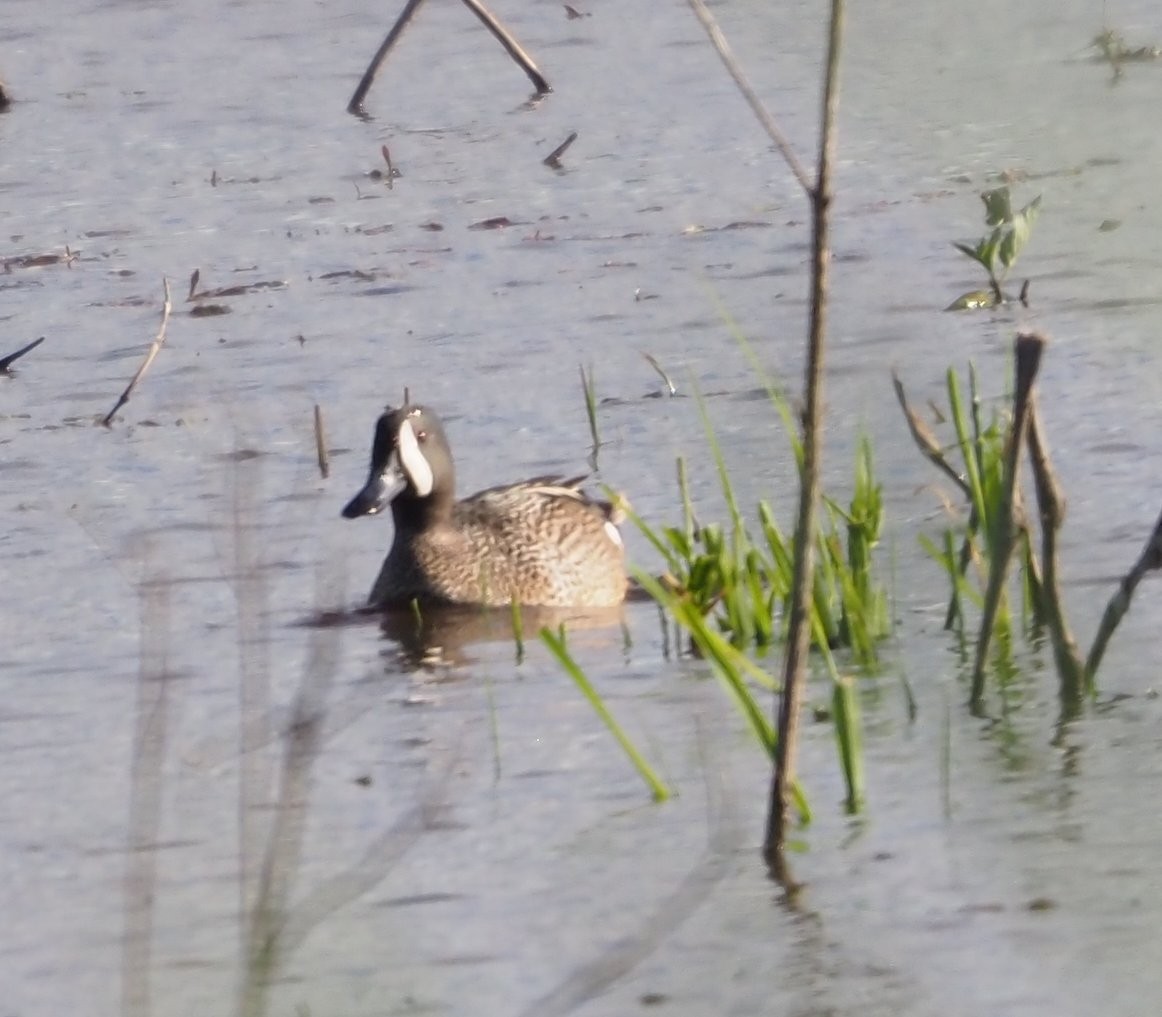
{"x":421,"y":435}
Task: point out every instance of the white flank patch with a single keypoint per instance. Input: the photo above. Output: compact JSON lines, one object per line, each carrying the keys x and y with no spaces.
{"x":417,"y":468}
{"x":614,"y":534}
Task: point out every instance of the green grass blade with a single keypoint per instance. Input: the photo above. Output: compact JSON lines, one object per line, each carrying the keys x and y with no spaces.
{"x":556,"y":645}
{"x":845,"y":712}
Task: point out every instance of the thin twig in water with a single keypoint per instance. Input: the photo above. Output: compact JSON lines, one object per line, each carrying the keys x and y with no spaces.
{"x":386,"y":153}
{"x":748,"y":93}
{"x":321,"y":452}
{"x":154,"y":349}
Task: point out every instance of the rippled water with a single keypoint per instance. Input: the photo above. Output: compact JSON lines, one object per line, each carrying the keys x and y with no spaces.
{"x":473,"y":842}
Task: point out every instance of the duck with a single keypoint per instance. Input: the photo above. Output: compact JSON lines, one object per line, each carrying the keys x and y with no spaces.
{"x":542,"y":542}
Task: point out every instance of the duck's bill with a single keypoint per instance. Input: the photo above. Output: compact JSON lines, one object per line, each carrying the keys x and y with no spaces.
{"x":381,"y":487}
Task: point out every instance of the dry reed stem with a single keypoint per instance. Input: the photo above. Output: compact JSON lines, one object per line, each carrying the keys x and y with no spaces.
{"x":151,"y":353}
{"x":1052,"y":511}
{"x":1027,"y":351}
{"x":756,"y":104}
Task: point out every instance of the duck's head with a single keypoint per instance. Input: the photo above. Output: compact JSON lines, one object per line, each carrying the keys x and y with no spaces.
{"x":410,"y":461}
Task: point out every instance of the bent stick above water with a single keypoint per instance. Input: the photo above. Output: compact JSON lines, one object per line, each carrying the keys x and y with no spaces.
{"x":151,"y":353}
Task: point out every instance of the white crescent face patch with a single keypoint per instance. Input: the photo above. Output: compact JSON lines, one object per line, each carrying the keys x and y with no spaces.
{"x":411,"y":458}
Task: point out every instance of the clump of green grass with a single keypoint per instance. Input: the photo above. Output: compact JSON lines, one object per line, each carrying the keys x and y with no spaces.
{"x":728,"y":586}
{"x":975,"y":462}
{"x":997,"y":251}
{"x":741,"y":582}
{"x":997,"y":530}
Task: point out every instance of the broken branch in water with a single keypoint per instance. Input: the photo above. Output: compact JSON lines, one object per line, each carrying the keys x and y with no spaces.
{"x":553,"y":159}
{"x":510,"y":44}
{"x":8,"y":361}
{"x":925,"y":440}
{"x":154,"y":349}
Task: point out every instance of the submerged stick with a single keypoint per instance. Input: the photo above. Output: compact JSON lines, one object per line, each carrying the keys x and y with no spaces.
{"x":1028,"y":350}
{"x":1149,"y":560}
{"x":8,"y":361}
{"x":356,"y":104}
{"x":154,"y":349}
{"x":504,"y":37}
{"x":1052,"y":511}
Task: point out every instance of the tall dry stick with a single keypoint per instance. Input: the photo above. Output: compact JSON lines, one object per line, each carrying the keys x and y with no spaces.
{"x":1027,"y":350}
{"x":799,"y":630}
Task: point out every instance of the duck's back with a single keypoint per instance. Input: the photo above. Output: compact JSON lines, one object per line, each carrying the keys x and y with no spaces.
{"x":542,"y":542}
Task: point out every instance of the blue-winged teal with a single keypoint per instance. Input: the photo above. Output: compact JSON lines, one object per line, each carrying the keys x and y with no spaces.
{"x":543,"y":542}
